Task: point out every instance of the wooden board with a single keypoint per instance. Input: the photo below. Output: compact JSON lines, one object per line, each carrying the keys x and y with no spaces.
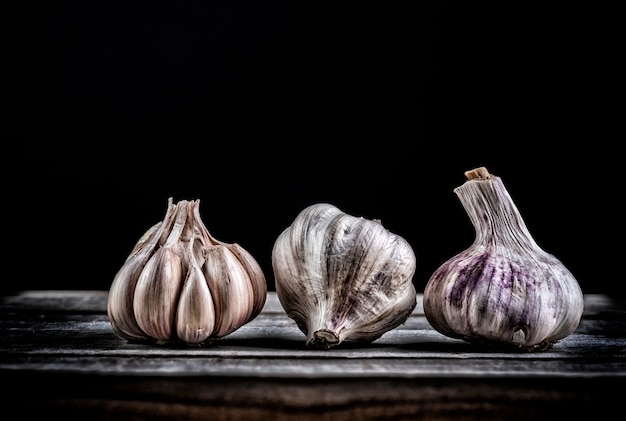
{"x":60,"y":355}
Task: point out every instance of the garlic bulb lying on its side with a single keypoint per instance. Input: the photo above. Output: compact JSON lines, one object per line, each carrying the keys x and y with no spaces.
{"x":181,"y":285}
{"x":504,"y":291}
{"x":343,"y":278}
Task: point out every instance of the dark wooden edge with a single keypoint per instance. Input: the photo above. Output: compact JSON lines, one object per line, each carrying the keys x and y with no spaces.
{"x":76,"y":396}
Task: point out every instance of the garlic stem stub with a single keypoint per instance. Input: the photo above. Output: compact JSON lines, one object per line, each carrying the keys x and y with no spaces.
{"x":343,"y":278}
{"x":182,"y":286}
{"x":504,"y":291}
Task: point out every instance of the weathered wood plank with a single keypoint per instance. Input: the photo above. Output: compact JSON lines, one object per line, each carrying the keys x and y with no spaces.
{"x":70,"y":396}
{"x":60,"y":359}
{"x":69,"y":331}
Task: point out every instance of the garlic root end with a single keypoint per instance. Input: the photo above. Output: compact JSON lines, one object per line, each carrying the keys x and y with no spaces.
{"x":324,"y":339}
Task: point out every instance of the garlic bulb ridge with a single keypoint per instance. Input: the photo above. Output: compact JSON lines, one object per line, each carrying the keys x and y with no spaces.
{"x":503,"y":291}
{"x":343,"y":278}
{"x":181,"y":285}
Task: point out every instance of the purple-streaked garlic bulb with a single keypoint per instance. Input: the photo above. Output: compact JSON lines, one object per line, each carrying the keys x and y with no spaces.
{"x":182,"y":286}
{"x":343,"y":278}
{"x":504,"y":291}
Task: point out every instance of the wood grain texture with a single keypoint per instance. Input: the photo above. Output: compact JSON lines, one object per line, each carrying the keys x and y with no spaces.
{"x":60,"y":356}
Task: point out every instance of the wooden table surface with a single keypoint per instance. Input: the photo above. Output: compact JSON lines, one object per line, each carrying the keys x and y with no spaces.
{"x":59,"y":357}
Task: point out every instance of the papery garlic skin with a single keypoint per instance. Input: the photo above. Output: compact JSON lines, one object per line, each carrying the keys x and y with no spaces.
{"x":504,"y":290}
{"x":343,"y":278}
{"x":182,"y":286}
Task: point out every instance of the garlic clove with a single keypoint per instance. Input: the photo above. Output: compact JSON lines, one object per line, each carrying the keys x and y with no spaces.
{"x":121,"y":294}
{"x":195,"y":320}
{"x":343,"y":278}
{"x":504,"y":290}
{"x":255,"y":275}
{"x":231,"y":286}
{"x":159,"y":284}
{"x":156,"y":294}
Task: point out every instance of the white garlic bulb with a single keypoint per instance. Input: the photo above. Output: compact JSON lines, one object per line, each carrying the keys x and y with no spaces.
{"x":343,"y":278}
{"x":181,"y":285}
{"x":504,"y":291}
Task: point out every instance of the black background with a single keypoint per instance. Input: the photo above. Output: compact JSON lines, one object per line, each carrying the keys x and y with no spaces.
{"x":260,"y":110}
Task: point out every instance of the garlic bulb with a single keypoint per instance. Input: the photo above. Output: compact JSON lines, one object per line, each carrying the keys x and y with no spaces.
{"x":181,"y":285}
{"x":504,"y":291}
{"x":343,"y":278}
